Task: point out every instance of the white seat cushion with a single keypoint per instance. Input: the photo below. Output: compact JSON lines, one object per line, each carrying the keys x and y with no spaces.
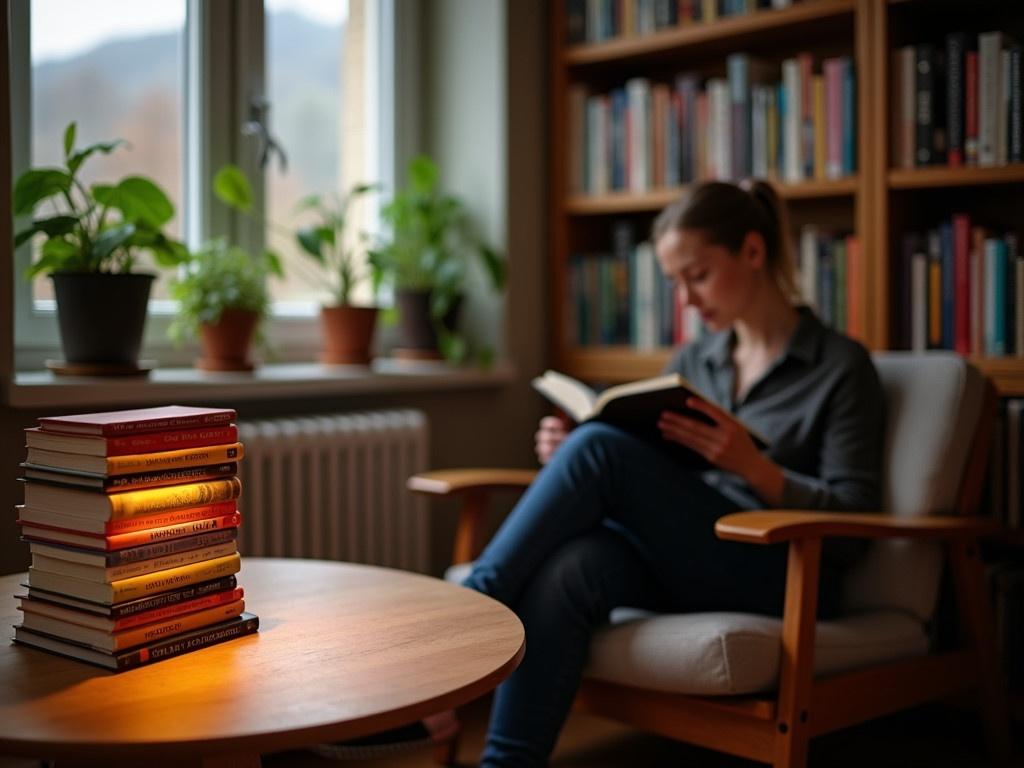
{"x":737,"y":653}
{"x":732,"y":653}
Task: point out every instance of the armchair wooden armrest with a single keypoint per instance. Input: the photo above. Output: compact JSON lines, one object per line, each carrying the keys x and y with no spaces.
{"x":474,"y":486}
{"x":448,"y":482}
{"x":777,"y":525}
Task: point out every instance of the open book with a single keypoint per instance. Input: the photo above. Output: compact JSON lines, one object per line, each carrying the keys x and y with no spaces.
{"x":634,"y":407}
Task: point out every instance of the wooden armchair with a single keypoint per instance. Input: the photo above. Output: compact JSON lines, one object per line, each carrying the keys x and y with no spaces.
{"x":760,"y":687}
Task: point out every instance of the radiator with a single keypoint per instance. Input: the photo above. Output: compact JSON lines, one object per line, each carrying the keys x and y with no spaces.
{"x":333,"y":487}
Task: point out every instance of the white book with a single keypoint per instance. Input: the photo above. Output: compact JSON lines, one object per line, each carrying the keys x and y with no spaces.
{"x":792,"y":125}
{"x":719,"y":128}
{"x":759,"y":133}
{"x":1003,"y":116}
{"x":989,"y":91}
{"x":919,"y":302}
{"x":809,"y":265}
{"x":638,"y":97}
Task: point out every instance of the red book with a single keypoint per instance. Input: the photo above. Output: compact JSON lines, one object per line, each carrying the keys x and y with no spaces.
{"x":147,"y":442}
{"x":962,"y":283}
{"x":43,"y":607}
{"x":971,"y":107}
{"x":111,"y":423}
{"x":110,"y":527}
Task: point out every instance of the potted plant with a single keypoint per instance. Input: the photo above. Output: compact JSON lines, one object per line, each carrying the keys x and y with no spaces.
{"x":425,"y":259}
{"x":222,"y":294}
{"x":348,"y":329}
{"x":92,"y":237}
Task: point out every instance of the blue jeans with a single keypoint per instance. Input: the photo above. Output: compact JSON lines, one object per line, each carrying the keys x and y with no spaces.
{"x":610,"y":521}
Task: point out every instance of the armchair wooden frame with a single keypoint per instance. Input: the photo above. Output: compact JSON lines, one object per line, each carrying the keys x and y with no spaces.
{"x":776,"y":728}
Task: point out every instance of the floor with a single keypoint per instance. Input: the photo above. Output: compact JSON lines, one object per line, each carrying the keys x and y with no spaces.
{"x":935,"y":736}
{"x":927,"y":737}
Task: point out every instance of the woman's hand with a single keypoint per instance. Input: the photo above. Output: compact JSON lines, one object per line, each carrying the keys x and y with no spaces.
{"x":549,"y":436}
{"x":726,"y":444}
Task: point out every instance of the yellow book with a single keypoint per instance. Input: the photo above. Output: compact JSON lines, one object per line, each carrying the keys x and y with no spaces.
{"x":135,"y":586}
{"x":117,"y":506}
{"x":138,"y":462}
{"x":129,"y":638}
{"x":818,"y":90}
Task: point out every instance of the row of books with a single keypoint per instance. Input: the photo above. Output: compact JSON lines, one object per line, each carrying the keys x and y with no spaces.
{"x":621,"y":297}
{"x":132,"y":521}
{"x":963,"y":289}
{"x":831,"y":277}
{"x":958,"y":103}
{"x":646,"y":134}
{"x":593,"y":21}
{"x":626,"y":301}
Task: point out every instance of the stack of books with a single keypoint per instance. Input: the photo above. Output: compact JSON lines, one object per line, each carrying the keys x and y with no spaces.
{"x":132,"y":520}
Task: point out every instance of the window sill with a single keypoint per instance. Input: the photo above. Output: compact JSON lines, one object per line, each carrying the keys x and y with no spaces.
{"x":43,"y":389}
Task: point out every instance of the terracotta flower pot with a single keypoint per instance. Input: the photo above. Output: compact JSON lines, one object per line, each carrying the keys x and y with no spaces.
{"x":226,"y":344}
{"x":348,"y":334}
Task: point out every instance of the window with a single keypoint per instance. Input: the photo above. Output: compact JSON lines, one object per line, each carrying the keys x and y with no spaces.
{"x":159,"y":76}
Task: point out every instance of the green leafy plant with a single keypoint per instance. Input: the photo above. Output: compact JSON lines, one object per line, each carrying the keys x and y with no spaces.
{"x":99,"y":228}
{"x":221,"y":276}
{"x":324,"y":241}
{"x":432,"y":242}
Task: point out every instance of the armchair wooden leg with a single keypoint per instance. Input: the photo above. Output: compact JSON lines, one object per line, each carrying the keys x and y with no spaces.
{"x":976,"y":618}
{"x":796,"y":675}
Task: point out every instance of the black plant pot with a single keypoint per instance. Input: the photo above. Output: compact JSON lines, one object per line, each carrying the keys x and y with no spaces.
{"x":101,"y":316}
{"x":417,"y":335}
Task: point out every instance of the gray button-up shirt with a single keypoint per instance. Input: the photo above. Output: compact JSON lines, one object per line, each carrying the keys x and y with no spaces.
{"x":821,"y":407}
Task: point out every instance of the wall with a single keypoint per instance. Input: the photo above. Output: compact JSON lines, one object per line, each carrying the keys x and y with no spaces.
{"x":484,"y":127}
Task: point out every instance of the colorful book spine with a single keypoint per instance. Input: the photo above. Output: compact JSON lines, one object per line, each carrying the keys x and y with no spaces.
{"x":153,"y":500}
{"x":133,"y":482}
{"x":246,"y":624}
{"x":56,"y":563}
{"x":962,"y":283}
{"x":135,"y":554}
{"x":956,"y":43}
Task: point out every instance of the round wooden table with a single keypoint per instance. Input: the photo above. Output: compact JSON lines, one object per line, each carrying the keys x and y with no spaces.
{"x":343,"y":651}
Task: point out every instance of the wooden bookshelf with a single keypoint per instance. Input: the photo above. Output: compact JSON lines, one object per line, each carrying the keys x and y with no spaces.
{"x":736,"y":30}
{"x":941,"y":177}
{"x":877,"y":204}
{"x":656,"y":199}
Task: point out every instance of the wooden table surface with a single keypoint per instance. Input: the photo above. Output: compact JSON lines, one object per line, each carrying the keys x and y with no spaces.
{"x":343,"y":651}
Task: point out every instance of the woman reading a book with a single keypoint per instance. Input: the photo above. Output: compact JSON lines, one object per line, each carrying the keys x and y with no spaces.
{"x":613,"y":520}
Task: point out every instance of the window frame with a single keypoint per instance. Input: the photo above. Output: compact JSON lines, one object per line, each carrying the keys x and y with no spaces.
{"x":219,"y":82}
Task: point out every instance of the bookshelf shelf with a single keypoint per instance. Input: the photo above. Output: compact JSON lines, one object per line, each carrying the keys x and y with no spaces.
{"x":656,"y":199}
{"x":727,"y":31}
{"x":1007,"y":373}
{"x":944,"y":177}
{"x":613,"y":364}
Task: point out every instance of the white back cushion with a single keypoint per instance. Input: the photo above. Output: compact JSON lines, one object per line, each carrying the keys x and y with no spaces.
{"x":933,"y":401}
